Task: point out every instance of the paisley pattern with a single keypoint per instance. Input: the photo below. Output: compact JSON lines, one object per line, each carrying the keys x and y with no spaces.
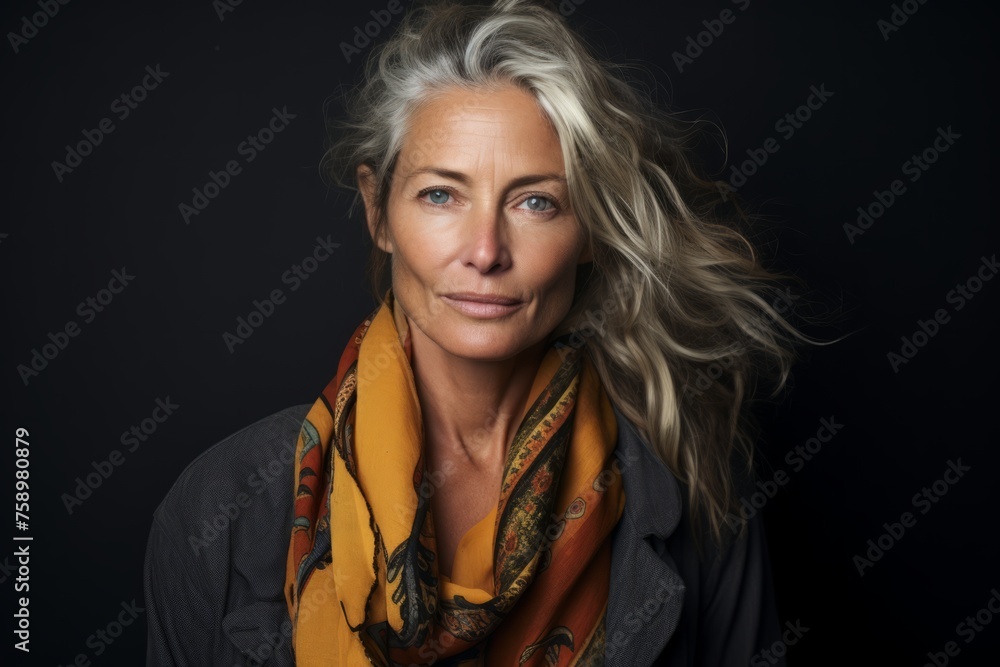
{"x":362,"y":581}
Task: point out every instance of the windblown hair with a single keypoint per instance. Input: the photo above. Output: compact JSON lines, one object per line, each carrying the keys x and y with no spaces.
{"x":675,"y":310}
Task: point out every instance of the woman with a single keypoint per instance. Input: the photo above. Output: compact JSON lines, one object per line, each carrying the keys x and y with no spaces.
{"x":533,"y":450}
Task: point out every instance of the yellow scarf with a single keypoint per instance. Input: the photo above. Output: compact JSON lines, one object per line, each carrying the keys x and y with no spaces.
{"x":362,"y":582}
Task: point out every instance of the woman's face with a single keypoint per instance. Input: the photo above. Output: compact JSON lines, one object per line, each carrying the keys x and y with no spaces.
{"x":484,"y":245}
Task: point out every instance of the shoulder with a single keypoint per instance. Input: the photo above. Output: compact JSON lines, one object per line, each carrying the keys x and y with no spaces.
{"x":241,"y":483}
{"x":729,"y":585}
{"x":730,"y":593}
{"x":215,"y":557}
{"x":725,"y":587}
{"x":252,"y":461}
{"x":647,"y":589}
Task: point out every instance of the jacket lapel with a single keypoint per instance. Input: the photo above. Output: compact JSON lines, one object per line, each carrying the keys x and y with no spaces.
{"x":646,"y":593}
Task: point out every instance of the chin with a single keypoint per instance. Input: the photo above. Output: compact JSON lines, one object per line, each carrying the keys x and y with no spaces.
{"x":481,"y":341}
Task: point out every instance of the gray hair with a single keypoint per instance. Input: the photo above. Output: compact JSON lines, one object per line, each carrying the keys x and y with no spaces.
{"x":674,"y":310}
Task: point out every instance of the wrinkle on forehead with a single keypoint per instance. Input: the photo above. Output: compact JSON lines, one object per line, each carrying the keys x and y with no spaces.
{"x":445,"y":121}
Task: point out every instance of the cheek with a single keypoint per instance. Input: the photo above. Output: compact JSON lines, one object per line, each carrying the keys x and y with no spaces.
{"x":414,"y":255}
{"x":419,"y":260}
{"x":554,"y":266}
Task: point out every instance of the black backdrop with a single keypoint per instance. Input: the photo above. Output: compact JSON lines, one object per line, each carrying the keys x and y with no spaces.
{"x":222,"y":75}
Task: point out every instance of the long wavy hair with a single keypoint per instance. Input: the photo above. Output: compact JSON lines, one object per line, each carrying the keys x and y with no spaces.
{"x":676,"y":311}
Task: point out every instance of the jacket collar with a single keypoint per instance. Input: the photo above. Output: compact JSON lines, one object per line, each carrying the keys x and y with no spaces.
{"x":646,"y":592}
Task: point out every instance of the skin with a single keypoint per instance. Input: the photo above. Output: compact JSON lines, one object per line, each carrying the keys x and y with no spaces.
{"x":477,"y":230}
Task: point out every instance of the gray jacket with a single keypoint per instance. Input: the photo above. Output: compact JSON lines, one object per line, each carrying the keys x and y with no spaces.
{"x":215,"y":565}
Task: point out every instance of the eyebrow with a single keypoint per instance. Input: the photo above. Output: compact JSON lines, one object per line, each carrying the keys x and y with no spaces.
{"x":527,"y":179}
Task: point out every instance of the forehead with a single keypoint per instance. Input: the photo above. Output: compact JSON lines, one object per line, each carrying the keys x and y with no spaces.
{"x":500,"y":125}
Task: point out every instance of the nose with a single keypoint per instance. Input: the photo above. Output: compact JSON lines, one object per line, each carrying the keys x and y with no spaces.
{"x":487,"y":246}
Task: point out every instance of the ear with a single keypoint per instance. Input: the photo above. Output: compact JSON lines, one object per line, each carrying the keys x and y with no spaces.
{"x":366,"y":185}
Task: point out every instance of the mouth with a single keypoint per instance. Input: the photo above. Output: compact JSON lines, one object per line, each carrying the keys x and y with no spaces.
{"x":482,"y":306}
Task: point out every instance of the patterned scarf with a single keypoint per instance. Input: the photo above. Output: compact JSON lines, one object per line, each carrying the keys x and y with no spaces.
{"x":529,"y":585}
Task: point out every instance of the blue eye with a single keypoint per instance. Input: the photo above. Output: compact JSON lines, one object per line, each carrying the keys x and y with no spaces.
{"x":437,"y":195}
{"x":536,"y":203}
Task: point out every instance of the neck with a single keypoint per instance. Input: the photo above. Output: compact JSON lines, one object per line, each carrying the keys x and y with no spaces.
{"x":471,"y":408}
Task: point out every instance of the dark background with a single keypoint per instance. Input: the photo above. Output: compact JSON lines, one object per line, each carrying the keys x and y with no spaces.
{"x":162,"y":335}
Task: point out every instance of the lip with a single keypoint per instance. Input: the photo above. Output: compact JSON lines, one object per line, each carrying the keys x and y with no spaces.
{"x":483,"y":306}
